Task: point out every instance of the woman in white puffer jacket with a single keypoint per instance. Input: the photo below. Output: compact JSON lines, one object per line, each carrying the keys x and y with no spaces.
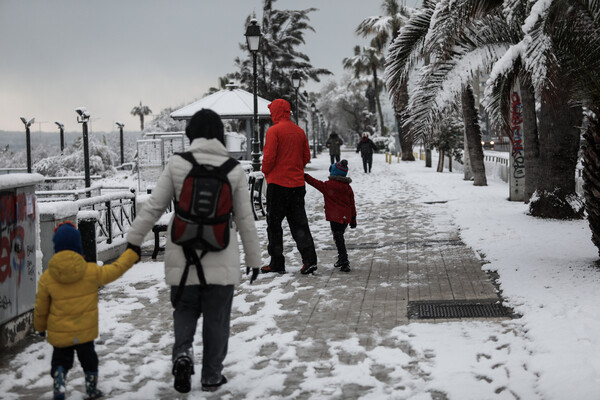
{"x":221,"y":269}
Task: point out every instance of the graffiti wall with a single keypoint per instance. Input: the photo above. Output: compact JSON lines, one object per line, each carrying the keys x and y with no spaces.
{"x":17,"y":252}
{"x":517,"y":159}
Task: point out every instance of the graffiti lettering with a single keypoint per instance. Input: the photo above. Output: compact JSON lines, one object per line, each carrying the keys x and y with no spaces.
{"x":517,"y":148}
{"x":13,"y":211}
{"x":5,"y":302}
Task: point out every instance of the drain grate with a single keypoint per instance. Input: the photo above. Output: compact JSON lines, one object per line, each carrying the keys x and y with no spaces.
{"x":456,"y":309}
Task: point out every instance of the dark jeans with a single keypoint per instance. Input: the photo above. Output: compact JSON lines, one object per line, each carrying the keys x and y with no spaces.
{"x":338,"y":237}
{"x":367,"y":162}
{"x":63,"y":357}
{"x":334,"y":158}
{"x":214,"y":301}
{"x":283,"y":202}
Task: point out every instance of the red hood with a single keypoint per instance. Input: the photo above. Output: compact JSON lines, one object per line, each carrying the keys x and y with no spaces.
{"x":280,"y":110}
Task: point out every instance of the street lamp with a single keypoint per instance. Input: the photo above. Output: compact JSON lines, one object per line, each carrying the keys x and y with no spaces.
{"x":313,"y":108}
{"x":61,"y":129}
{"x":28,"y":140}
{"x":296,"y":84}
{"x":121,"y":125}
{"x":83,"y":117}
{"x":253,"y":36}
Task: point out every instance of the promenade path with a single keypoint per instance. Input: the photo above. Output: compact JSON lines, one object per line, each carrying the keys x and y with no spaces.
{"x":329,"y":335}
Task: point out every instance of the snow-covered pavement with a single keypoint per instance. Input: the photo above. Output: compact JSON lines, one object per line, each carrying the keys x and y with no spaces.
{"x":284,"y":345}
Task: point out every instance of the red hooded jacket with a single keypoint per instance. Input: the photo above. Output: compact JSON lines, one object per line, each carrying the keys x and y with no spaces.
{"x":286,"y":149}
{"x":339,"y":198}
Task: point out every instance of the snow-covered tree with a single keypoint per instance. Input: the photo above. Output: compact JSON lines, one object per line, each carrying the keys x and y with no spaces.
{"x":141,"y":111}
{"x":163,"y":122}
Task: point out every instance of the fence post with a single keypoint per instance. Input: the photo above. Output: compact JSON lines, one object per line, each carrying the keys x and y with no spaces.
{"x":108,"y":223}
{"x":87,"y":227}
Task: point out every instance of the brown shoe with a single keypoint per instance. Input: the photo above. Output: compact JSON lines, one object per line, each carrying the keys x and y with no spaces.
{"x":308,"y":269}
{"x":267,"y":268}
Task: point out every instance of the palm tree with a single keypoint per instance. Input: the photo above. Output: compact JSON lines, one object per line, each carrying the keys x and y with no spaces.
{"x":141,"y":111}
{"x":383,"y":29}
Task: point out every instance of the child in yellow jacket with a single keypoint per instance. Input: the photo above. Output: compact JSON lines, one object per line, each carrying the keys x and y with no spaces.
{"x":66,"y":305}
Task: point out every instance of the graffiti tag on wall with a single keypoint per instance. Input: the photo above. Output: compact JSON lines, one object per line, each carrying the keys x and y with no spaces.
{"x":15,"y":210}
{"x":516,"y":120}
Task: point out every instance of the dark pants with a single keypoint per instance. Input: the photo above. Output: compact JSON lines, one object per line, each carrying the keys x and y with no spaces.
{"x":63,"y":357}
{"x":283,"y":202}
{"x":334,"y":158}
{"x":367,"y":162}
{"x":214,"y":301}
{"x":338,"y":237}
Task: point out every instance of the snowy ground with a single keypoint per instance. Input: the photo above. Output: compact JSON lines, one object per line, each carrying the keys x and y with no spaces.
{"x":548,"y":272}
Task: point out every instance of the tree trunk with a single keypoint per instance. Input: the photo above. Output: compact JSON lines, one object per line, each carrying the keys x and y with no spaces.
{"x":400,"y":101}
{"x":591,"y":175}
{"x":450,"y":162}
{"x":473,"y":136}
{"x":531,"y":142}
{"x":142,"y":121}
{"x":440,"y":167}
{"x":377,"y":100}
{"x":559,"y":124}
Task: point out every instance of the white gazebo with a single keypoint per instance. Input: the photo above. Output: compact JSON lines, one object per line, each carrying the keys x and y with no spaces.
{"x":230,"y":103}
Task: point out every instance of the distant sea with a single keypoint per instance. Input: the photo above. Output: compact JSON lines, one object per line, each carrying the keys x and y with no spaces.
{"x":16,"y":140}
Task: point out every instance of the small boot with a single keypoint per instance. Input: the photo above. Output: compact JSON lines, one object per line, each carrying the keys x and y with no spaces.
{"x":91,"y":380}
{"x":60,"y":383}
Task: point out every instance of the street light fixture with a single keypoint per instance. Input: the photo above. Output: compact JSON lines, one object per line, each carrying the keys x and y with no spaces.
{"x":121,"y":125}
{"x":253,"y":36}
{"x":296,"y":78}
{"x":61,"y":129}
{"x":83,"y":117}
{"x":313,"y":110}
{"x":28,"y":140}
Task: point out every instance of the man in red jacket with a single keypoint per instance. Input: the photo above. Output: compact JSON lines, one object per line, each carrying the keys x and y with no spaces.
{"x":285,"y":154}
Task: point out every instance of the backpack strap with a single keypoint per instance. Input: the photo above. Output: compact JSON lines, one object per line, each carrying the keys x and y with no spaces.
{"x":228,"y":165}
{"x":191,"y":258}
{"x":188,"y":156}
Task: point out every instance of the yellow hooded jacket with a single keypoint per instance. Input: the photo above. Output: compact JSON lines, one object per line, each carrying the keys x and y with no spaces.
{"x":66,"y":304}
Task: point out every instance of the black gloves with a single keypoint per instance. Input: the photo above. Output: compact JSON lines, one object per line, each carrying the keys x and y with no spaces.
{"x":254,"y":274}
{"x":353,"y":224}
{"x":135,"y":248}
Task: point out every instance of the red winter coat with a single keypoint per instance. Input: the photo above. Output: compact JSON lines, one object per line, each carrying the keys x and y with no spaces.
{"x":286,"y":150}
{"x":339,"y":198}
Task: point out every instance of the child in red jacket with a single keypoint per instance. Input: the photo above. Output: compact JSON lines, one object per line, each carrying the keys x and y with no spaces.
{"x":340,"y":209}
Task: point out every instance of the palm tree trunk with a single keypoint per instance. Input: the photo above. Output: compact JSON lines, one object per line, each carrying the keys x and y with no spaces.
{"x":400,"y":101}
{"x":142,"y":121}
{"x":440,"y":167}
{"x":381,"y":127}
{"x":473,"y":136}
{"x":559,"y":123}
{"x":591,"y":175}
{"x":531,"y":142}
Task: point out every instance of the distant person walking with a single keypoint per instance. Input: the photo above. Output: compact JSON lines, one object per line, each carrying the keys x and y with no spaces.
{"x":334,"y":144}
{"x":286,"y":152}
{"x":220,"y":270}
{"x":340,"y":209}
{"x":366,"y":148}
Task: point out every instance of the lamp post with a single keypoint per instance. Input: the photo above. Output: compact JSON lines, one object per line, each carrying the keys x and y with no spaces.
{"x":121,"y":125}
{"x":253,"y":36}
{"x":296,"y":84}
{"x":313,"y":110}
{"x":28,"y":140}
{"x":61,"y":129}
{"x":83,"y":116}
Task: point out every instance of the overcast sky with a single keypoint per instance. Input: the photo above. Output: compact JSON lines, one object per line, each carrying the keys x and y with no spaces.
{"x":109,"y":55}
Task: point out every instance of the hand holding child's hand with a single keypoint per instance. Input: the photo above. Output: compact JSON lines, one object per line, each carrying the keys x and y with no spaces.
{"x":135,"y":248}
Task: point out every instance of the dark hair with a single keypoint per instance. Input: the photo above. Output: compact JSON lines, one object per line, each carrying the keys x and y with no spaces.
{"x":205,"y":124}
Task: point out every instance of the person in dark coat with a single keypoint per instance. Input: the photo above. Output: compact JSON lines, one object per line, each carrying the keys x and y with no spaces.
{"x":334,"y":144}
{"x":285,"y":154}
{"x":340,"y":209}
{"x":366,"y":148}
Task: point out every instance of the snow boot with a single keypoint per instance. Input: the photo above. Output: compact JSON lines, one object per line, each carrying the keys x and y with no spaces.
{"x":183,"y":369}
{"x":345,"y":267}
{"x":60,"y":383}
{"x":308,"y":269}
{"x":267,"y":268}
{"x":212,"y":388}
{"x":91,"y":381}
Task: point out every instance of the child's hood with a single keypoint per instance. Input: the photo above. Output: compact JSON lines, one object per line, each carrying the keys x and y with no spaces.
{"x":345,"y":179}
{"x":67,"y":266}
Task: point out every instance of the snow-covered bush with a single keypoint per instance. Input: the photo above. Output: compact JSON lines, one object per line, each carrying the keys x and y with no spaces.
{"x":384,"y":143}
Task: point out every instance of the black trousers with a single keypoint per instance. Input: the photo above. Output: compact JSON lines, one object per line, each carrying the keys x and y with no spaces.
{"x":214,"y":301}
{"x":338,"y":237}
{"x":334,"y":158}
{"x":367,"y":162}
{"x":63,"y":357}
{"x":283,"y":202}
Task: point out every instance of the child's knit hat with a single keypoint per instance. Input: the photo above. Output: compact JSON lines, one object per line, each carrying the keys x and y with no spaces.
{"x":339,"y":169}
{"x":67,"y":237}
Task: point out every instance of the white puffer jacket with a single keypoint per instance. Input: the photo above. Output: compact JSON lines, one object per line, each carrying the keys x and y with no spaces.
{"x":220,"y":268}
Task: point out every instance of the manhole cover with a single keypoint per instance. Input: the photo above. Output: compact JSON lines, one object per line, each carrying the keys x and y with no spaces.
{"x":456,"y":309}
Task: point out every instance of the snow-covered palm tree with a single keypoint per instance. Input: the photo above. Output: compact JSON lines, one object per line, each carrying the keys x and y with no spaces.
{"x":141,"y":111}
